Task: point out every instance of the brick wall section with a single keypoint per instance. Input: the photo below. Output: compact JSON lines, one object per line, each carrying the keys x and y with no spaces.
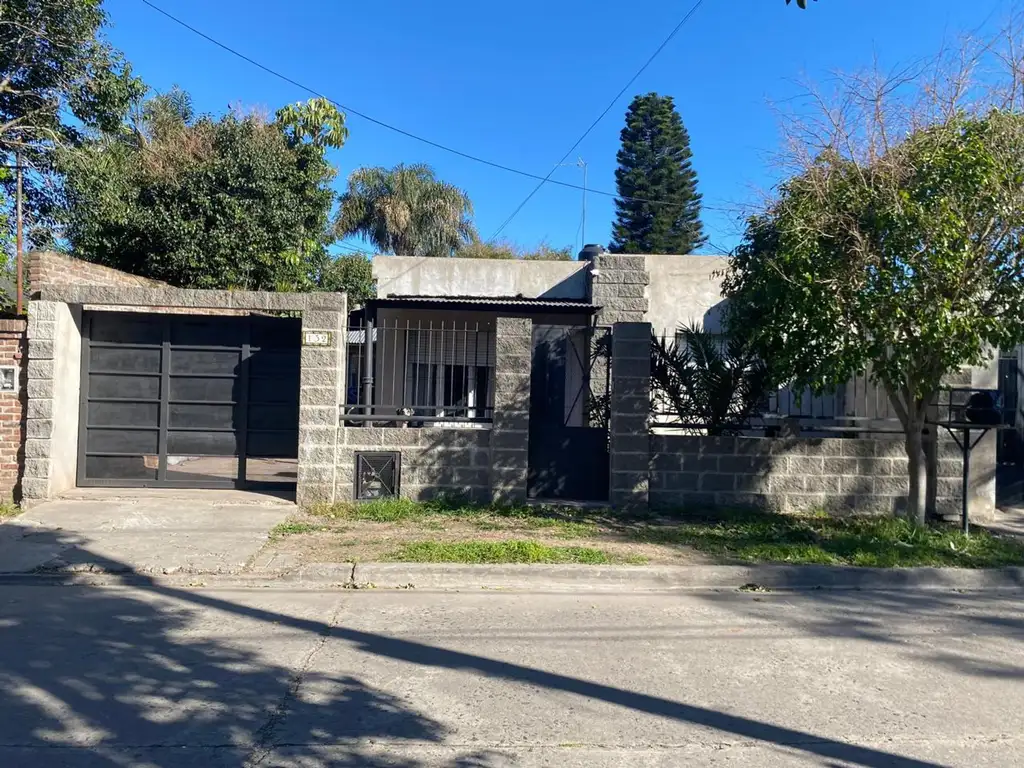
{"x":864,"y":476}
{"x":629,"y":446}
{"x":321,"y":383}
{"x":619,"y":288}
{"x":434,"y":460}
{"x":48,"y":268}
{"x":13,"y":351}
{"x":510,"y":438}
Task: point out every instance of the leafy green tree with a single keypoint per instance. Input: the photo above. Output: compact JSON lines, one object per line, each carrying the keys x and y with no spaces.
{"x":58,"y":79}
{"x":658,"y":207}
{"x":506,"y":249}
{"x":235,"y":202}
{"x":350,"y":273}
{"x":406,"y":211}
{"x":711,"y":383}
{"x":905,"y":263}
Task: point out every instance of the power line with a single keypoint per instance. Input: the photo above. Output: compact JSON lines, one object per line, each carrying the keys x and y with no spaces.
{"x":600,"y":117}
{"x":430,"y":142}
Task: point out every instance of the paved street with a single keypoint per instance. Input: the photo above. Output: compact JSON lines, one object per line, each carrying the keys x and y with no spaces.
{"x":158,"y":675}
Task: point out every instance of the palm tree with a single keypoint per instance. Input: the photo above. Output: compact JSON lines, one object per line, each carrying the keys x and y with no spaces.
{"x":406,"y":211}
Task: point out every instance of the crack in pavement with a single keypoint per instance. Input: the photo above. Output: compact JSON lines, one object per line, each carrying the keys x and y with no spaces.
{"x":264,"y":744}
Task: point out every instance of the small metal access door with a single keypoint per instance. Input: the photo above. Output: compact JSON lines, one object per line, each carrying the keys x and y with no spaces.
{"x":568,"y":452}
{"x":186,"y":401}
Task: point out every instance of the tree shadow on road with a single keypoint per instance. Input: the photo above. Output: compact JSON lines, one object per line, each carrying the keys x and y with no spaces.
{"x":114,"y":677}
{"x":119,"y":678}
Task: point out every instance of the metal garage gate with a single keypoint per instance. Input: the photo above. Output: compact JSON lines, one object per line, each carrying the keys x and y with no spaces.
{"x":186,"y":401}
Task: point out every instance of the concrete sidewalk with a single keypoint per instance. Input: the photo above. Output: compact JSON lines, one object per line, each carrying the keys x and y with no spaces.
{"x":144,"y":530}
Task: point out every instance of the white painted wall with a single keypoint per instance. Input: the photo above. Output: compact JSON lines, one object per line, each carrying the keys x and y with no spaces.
{"x":67,"y":379}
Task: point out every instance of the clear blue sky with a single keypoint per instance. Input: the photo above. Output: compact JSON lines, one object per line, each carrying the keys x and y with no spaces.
{"x":517,"y":83}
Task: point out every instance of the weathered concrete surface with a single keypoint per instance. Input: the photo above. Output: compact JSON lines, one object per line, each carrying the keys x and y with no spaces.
{"x":161,"y":676}
{"x":148,"y":531}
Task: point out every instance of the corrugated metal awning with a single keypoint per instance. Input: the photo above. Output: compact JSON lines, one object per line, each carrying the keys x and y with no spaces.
{"x":518,"y":303}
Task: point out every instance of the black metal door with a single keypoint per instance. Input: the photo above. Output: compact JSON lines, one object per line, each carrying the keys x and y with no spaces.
{"x":568,"y":451}
{"x":189,"y":401}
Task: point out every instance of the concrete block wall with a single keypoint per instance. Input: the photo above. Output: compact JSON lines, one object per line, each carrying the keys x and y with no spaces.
{"x":618,"y":284}
{"x":510,"y":437}
{"x":13,"y":352}
{"x":862,"y":476}
{"x":321,"y":393}
{"x":628,"y":415}
{"x":434,"y":460}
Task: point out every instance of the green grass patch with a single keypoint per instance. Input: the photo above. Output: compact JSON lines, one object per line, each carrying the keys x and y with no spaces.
{"x":819,"y":539}
{"x":495,"y":552}
{"x":293,"y":527}
{"x":431,"y":514}
{"x":9,"y":509}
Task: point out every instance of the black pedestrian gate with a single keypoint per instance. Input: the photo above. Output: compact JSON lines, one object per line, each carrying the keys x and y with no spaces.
{"x":188,"y":401}
{"x":569,"y":399}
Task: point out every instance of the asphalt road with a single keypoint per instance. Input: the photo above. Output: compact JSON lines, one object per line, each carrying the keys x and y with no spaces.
{"x":165,"y":676}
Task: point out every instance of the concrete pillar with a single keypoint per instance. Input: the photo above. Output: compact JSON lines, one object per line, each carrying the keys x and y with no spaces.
{"x":54,"y":379}
{"x":629,"y":445}
{"x":510,"y":435}
{"x":981,"y":494}
{"x":322,"y":391}
{"x":618,"y":284}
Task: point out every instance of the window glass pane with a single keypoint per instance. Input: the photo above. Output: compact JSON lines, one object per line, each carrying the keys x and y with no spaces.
{"x":121,"y":467}
{"x":121,"y":441}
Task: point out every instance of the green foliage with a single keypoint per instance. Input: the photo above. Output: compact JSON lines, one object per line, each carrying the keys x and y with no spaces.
{"x":703,"y":379}
{"x":234,"y":202}
{"x":350,"y":273}
{"x":655,"y":165}
{"x":495,"y":552}
{"x":506,"y":249}
{"x":908,"y":268}
{"x":316,"y":121}
{"x":822,"y":539}
{"x":57,"y":76}
{"x":406,"y":211}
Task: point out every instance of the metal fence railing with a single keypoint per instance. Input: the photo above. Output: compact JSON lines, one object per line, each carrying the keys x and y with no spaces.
{"x":420,"y":372}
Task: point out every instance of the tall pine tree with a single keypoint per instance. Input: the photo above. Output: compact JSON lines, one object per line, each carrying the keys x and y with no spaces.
{"x":654,"y":165}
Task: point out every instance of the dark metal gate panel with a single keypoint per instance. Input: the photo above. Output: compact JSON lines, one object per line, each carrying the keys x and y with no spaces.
{"x":187,"y":401}
{"x":568,"y":450}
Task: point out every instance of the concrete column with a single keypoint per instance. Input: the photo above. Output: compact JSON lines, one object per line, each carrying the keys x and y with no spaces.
{"x":510,"y":435}
{"x":630,"y":410}
{"x":981,"y":495}
{"x":322,"y":389}
{"x":54,"y":380}
{"x":618,"y":284}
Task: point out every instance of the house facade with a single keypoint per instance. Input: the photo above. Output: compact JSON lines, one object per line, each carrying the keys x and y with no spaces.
{"x":505,"y":381}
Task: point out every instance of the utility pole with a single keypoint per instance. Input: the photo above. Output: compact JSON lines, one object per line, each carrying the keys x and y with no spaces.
{"x":19,"y":243}
{"x":583,"y":223}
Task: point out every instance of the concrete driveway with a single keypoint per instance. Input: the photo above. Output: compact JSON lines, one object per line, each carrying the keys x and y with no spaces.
{"x":146,"y":530}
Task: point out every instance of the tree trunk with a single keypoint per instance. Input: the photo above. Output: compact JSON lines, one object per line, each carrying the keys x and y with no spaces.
{"x":916,"y":470}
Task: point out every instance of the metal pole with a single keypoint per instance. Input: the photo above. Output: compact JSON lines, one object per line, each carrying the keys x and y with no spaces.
{"x":19,"y":242}
{"x":964,"y":521}
{"x":368,"y":361}
{"x":583,"y":223}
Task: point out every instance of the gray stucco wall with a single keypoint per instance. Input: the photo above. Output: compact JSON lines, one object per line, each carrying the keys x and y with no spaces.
{"x":414,"y":276}
{"x":684,"y":289}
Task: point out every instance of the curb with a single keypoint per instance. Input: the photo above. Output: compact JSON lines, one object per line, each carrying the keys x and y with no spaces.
{"x":646,"y":578}
{"x":549,"y":578}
